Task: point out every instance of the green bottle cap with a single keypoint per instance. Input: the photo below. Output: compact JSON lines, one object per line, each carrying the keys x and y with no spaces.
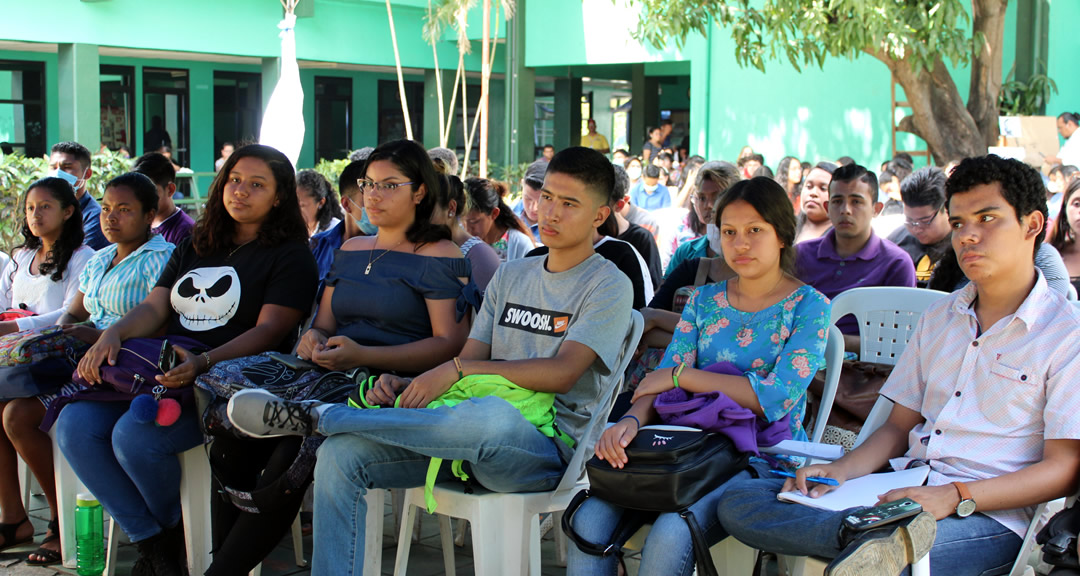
{"x":86,"y":500}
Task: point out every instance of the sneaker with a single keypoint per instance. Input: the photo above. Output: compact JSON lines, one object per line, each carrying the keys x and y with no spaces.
{"x":260,"y":414}
{"x":888,"y":550}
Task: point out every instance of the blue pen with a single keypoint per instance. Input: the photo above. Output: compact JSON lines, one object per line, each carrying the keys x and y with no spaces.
{"x":815,"y":479}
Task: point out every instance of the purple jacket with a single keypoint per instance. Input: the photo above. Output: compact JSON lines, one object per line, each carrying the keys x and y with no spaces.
{"x":715,"y":412}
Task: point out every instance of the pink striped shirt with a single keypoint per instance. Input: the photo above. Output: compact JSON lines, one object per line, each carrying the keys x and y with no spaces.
{"x":990,"y":401}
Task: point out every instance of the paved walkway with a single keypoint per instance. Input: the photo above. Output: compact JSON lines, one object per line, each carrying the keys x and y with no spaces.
{"x":425,"y":559}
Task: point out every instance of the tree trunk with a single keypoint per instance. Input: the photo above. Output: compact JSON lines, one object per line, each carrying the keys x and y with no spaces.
{"x":938,"y":113}
{"x":485,"y":83}
{"x":400,"y":78}
{"x":989,"y":23}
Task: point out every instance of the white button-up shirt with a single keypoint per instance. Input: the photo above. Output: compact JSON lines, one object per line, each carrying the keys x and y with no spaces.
{"x":990,"y":401}
{"x":1070,"y":150}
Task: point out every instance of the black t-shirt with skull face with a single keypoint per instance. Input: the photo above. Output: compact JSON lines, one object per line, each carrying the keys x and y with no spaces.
{"x":218,"y":297}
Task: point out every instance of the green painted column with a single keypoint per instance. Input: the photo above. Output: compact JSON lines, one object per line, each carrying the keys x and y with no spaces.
{"x":645,"y":95}
{"x":79,"y":81}
{"x":201,"y":113}
{"x":567,"y":112}
{"x":520,"y":93}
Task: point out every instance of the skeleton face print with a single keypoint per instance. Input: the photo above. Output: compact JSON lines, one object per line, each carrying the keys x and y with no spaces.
{"x":206,"y":298}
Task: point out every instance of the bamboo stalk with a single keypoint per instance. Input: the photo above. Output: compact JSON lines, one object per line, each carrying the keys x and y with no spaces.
{"x":400,"y":77}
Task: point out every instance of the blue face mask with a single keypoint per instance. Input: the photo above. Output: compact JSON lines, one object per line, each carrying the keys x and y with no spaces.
{"x":363,"y":223}
{"x":69,"y":178}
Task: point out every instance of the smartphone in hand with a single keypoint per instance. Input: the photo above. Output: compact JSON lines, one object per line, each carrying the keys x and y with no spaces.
{"x":887,"y":513}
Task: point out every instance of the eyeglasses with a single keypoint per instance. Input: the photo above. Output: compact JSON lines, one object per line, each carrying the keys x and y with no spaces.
{"x":380,"y":187}
{"x":922,"y":222}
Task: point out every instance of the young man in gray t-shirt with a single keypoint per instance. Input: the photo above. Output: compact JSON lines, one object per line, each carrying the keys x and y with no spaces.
{"x":549,"y":324}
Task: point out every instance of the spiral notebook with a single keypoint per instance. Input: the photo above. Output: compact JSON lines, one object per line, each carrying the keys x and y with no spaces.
{"x":862,"y":491}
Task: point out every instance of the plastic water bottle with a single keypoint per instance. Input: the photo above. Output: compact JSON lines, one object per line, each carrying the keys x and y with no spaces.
{"x":89,"y":536}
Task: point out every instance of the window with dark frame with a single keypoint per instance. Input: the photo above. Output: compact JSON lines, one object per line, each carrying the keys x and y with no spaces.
{"x":237,"y":108}
{"x":118,"y":107}
{"x":165,"y":112}
{"x":22,"y":107}
{"x":391,"y":118}
{"x":333,"y":118}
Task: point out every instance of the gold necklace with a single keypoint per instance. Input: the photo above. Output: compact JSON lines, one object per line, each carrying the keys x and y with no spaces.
{"x":744,"y":332}
{"x":239,"y":247}
{"x":370,"y":262}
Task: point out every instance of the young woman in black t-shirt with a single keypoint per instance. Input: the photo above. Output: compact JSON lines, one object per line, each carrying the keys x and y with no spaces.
{"x":240,"y":285}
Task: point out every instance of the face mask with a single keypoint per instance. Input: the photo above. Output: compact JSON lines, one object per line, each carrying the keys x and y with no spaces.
{"x":713,"y":234}
{"x":633,"y":172}
{"x":651,"y":188}
{"x":69,"y":178}
{"x":363,"y":223}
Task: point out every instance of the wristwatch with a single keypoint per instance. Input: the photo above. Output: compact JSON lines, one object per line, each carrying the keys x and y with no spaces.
{"x":966,"y":507}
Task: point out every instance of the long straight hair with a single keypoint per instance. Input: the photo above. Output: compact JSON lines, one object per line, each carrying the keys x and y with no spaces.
{"x":71,"y":234}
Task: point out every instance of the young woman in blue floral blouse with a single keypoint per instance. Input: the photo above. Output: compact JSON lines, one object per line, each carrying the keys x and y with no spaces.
{"x":764,"y":327}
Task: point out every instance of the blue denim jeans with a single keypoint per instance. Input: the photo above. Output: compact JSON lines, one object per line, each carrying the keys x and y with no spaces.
{"x":668,"y":549}
{"x":391,"y":448}
{"x":972,"y":546}
{"x":130,"y":467}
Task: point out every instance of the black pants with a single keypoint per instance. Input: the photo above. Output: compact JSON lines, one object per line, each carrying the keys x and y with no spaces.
{"x":243,"y":539}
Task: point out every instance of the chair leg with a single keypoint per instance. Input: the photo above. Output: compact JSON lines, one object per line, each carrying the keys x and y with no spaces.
{"x":446,"y":533}
{"x":489,"y":542}
{"x":195,"y":494}
{"x":373,"y":538}
{"x":404,"y":542}
{"x":922,"y":567}
{"x":24,"y":482}
{"x":257,"y":570}
{"x":67,"y":487}
{"x":459,"y":534}
{"x":733,"y":558}
{"x":110,"y":554}
{"x":298,"y":543}
{"x":560,"y":538}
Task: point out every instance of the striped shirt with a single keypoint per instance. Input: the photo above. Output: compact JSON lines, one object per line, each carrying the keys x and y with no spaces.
{"x":990,"y":401}
{"x":109,"y":294}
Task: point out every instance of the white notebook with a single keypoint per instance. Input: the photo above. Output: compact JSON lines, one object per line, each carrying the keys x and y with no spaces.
{"x":862,"y":491}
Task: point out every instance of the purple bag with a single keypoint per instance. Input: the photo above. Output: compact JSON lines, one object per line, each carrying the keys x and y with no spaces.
{"x":133,"y":374}
{"x":716,"y":412}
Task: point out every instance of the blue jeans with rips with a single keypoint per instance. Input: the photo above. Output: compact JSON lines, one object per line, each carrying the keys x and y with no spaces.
{"x":392,"y":447}
{"x":131,"y":467}
{"x":667,"y":550}
{"x":972,"y":546}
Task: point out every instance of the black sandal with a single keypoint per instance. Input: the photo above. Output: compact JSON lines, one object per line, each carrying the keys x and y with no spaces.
{"x":8,"y":532}
{"x":49,"y":557}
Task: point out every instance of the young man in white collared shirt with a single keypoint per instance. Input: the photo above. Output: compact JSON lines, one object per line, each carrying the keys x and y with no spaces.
{"x":982,"y":396}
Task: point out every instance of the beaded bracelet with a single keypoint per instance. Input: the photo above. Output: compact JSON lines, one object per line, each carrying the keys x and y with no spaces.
{"x":457,"y":364}
{"x":206,"y":356}
{"x":675,"y":372}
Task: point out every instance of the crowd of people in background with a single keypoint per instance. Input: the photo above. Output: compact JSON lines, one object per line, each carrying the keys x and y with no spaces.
{"x":423,"y":278}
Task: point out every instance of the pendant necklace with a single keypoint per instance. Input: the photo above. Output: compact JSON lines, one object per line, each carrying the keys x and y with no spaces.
{"x":239,"y":247}
{"x":744,"y":331}
{"x":372,"y":252}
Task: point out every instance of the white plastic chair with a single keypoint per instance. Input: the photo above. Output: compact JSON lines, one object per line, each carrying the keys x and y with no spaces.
{"x":506,"y":527}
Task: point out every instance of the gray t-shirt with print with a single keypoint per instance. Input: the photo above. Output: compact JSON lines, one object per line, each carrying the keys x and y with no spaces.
{"x":529,"y":312}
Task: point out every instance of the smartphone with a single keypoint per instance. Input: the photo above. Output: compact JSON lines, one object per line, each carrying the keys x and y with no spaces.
{"x":292,"y":361}
{"x":168,"y":358}
{"x":886,"y":513}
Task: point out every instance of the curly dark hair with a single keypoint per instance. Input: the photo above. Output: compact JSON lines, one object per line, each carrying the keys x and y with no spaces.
{"x":1021,"y":185}
{"x":214,"y":231}
{"x":71,"y":234}
{"x":319,"y":188}
{"x":770,"y":200}
{"x":1063,"y":232}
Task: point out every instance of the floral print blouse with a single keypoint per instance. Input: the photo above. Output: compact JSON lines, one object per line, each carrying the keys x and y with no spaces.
{"x":779,"y":348}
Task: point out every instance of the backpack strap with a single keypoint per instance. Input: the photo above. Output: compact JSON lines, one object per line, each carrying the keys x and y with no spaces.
{"x":702,"y":558}
{"x":268,"y":498}
{"x":629,"y":523}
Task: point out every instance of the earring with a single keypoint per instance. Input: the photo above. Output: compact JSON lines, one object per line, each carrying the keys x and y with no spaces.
{"x":451,"y":213}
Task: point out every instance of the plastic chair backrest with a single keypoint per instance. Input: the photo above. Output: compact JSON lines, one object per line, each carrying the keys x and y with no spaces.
{"x":834,"y":360}
{"x":576,"y":469}
{"x":886,"y":315}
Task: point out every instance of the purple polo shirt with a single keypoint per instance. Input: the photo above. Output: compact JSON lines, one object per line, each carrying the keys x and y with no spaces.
{"x":176,"y":227}
{"x":879,"y":263}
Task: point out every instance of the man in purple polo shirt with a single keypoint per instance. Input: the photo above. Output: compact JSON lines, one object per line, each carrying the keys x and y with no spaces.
{"x":850,"y":255}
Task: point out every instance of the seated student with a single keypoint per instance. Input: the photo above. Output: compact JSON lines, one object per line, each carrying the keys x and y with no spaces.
{"x":851,"y":255}
{"x":984,"y":395}
{"x":71,"y":162}
{"x":641,"y":239}
{"x":712,"y":180}
{"x":390,"y":305}
{"x":649,"y":194}
{"x":1060,"y":179}
{"x":749,"y":164}
{"x":813,"y":220}
{"x":43,"y":274}
{"x":170,"y":222}
{"x":948,"y":276}
{"x":451,"y":204}
{"x":115,"y":280}
{"x":318,"y":202}
{"x":766,"y":323}
{"x":525,"y":207}
{"x":250,"y":245}
{"x":367,"y":449}
{"x":925,"y":234}
{"x":1067,"y":229}
{"x":491,"y":220}
{"x":355,"y":223}
{"x":621,"y":253}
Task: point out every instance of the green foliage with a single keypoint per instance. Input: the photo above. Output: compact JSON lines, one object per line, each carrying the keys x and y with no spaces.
{"x":804,"y":32}
{"x":106,"y":166}
{"x":331,"y":170}
{"x":1025,"y":98}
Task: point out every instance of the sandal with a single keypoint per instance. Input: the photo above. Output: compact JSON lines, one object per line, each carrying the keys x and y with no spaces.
{"x":48,"y":556}
{"x":8,"y":532}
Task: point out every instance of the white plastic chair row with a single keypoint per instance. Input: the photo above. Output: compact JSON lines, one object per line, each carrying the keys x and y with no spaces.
{"x":506,"y":527}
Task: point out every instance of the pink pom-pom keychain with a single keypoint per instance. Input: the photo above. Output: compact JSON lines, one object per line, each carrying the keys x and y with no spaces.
{"x":147,"y":408}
